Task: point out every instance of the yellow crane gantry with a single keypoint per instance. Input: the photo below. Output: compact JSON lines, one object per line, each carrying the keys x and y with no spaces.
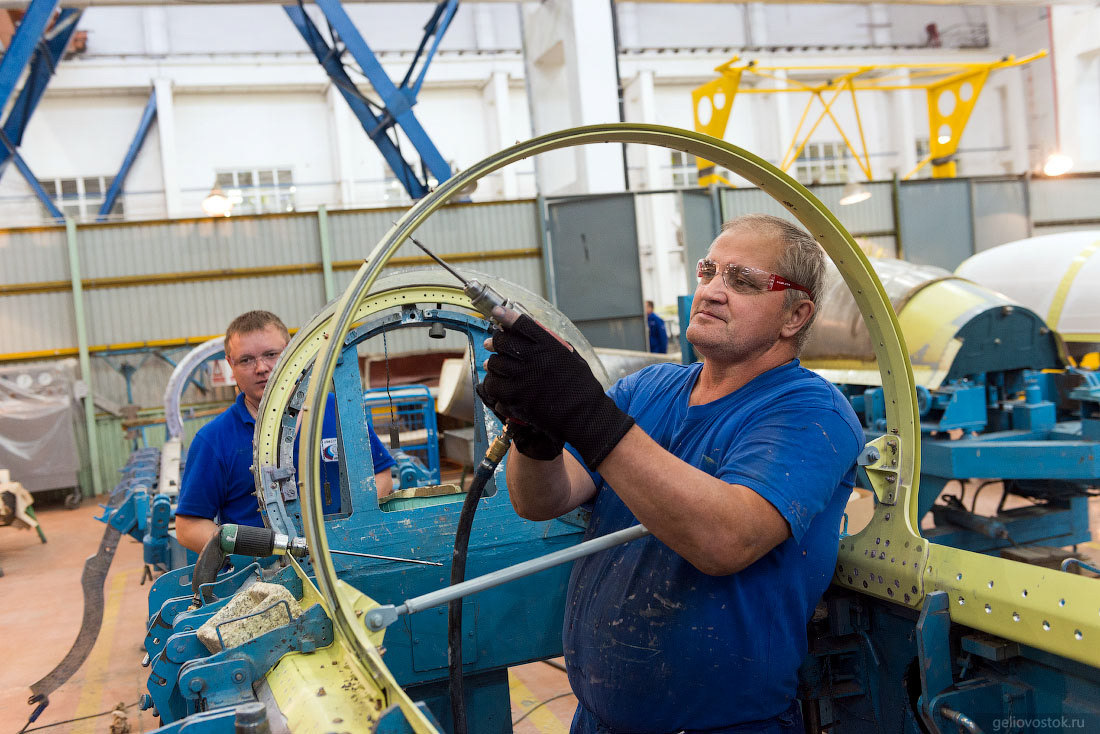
{"x":951,"y":91}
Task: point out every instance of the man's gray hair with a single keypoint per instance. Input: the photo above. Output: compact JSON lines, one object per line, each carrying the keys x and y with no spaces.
{"x":802,"y":260}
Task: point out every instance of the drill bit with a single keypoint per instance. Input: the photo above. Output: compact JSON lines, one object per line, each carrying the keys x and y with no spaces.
{"x":384,"y":558}
{"x":435,"y":257}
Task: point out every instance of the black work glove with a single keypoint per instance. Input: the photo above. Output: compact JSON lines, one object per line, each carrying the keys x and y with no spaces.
{"x":528,"y":440}
{"x":537,"y":380}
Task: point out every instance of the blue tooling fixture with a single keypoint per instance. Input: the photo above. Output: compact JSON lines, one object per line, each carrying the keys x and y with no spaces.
{"x":417,"y":525}
{"x":394,"y":109}
{"x":870,"y":669}
{"x":147,"y":116}
{"x":995,"y":403}
{"x":40,"y":46}
{"x":407,"y":413}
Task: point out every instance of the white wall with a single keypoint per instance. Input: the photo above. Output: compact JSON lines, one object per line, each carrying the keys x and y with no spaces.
{"x":248,"y":92}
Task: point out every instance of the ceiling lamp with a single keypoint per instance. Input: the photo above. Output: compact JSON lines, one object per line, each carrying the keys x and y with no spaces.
{"x":854,"y":193}
{"x":1057,"y":164}
{"x":216,"y":203}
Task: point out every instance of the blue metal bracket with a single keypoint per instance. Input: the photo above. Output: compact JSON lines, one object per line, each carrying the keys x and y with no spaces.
{"x":41,"y":49}
{"x":226,"y":678}
{"x":934,"y":652}
{"x":146,"y":122}
{"x":23,"y":45}
{"x":9,"y":153}
{"x":396,"y":101}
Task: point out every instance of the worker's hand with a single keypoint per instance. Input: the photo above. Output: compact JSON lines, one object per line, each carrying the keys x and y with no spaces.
{"x":538,"y":380}
{"x":528,"y":440}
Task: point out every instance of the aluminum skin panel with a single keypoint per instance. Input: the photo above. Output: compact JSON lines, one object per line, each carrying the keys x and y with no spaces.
{"x":1054,"y":275}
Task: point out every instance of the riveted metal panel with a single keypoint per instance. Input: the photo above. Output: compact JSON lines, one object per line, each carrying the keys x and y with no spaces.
{"x":1000,"y":213}
{"x":33,"y":255}
{"x":198,"y":244}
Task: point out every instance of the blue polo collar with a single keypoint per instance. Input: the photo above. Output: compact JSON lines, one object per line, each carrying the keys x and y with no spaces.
{"x":241,"y":411}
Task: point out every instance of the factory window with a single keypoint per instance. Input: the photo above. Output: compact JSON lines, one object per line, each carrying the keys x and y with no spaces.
{"x":80,"y":198}
{"x":684,"y":171}
{"x":258,"y":190}
{"x":824,"y":162}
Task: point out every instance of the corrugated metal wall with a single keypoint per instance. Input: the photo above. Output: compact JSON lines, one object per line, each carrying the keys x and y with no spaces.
{"x":198,"y":285}
{"x":871,"y":221}
{"x":1062,"y":204}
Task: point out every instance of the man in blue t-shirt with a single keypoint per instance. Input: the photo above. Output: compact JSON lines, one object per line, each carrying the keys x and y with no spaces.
{"x":658,"y":337}
{"x":740,"y":466}
{"x":217,"y":485}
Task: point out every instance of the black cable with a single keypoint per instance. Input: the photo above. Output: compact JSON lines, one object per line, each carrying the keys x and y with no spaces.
{"x":974,"y":500}
{"x":541,"y":704}
{"x":482,"y":476}
{"x":556,"y":664}
{"x":79,"y":718}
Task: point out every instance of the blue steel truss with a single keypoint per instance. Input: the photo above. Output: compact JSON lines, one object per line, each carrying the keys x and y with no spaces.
{"x":115,"y":189}
{"x":395,"y":108}
{"x":40,"y":46}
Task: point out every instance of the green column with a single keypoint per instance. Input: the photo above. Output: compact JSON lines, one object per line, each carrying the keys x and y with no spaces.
{"x":326,"y":252}
{"x":85,"y":357}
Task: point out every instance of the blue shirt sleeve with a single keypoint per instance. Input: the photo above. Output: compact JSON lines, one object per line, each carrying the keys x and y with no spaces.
{"x":378,"y":453}
{"x":202,"y":487}
{"x":794,"y":459}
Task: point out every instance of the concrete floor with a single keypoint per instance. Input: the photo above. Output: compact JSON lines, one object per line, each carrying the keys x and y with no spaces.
{"x":40,"y":614}
{"x":42,"y":606}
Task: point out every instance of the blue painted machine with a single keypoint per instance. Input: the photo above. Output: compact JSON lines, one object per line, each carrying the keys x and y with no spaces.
{"x":415,"y":523}
{"x":995,"y":403}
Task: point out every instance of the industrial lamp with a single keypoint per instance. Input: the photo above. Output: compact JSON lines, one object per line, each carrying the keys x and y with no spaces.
{"x":216,"y":203}
{"x":1057,"y":164}
{"x":854,"y":193}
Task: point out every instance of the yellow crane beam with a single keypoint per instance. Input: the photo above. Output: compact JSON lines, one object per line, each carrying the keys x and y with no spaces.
{"x":951,"y":91}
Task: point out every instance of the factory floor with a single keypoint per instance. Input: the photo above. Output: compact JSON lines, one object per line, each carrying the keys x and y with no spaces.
{"x":41,"y":609}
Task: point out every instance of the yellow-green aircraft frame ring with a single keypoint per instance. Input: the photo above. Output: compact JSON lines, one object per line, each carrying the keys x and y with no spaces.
{"x":1046,"y":609}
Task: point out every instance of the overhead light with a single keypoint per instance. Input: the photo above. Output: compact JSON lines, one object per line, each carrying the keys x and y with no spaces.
{"x":854,"y":193}
{"x":1057,"y":164}
{"x":944,"y":139}
{"x":216,"y":203}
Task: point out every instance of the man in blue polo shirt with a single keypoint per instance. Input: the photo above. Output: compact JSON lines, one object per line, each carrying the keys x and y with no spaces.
{"x":655,"y":325}
{"x":217,"y":485}
{"x":740,"y":466}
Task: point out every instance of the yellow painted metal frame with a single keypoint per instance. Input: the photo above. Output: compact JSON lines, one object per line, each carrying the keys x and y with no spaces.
{"x":1054,"y":313}
{"x":956,"y":84}
{"x":329,"y":689}
{"x":1047,"y":609}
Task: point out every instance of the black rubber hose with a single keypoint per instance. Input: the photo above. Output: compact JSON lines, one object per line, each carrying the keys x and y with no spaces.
{"x":207,"y":567}
{"x":482,"y":476}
